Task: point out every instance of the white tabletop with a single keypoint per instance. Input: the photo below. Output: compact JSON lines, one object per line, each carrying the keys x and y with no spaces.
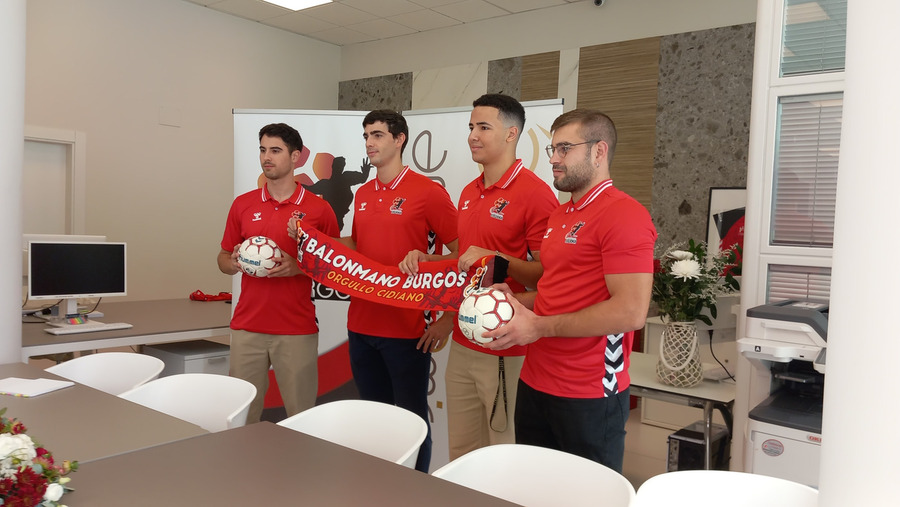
{"x":643,"y":374}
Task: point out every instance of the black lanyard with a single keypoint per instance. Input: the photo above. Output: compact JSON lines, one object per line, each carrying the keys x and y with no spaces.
{"x":501,"y":385}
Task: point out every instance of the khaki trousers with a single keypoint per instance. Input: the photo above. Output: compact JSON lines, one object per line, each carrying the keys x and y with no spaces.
{"x":472,"y":382}
{"x":294,"y":359}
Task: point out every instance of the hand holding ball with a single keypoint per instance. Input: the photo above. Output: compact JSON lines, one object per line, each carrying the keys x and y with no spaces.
{"x":256,"y":256}
{"x":484,"y":310}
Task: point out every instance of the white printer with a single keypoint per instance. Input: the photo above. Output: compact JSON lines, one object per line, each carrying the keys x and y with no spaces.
{"x":788,"y":339}
{"x":786,"y":331}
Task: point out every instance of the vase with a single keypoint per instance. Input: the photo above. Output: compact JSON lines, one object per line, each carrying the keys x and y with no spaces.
{"x":679,"y":355}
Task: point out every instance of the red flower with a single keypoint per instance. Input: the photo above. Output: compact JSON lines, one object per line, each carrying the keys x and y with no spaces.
{"x":28,"y":490}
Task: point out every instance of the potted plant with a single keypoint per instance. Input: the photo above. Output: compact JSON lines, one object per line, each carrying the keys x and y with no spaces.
{"x":687,"y":281}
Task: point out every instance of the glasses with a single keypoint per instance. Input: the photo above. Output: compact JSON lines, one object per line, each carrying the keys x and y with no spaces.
{"x":563,"y":148}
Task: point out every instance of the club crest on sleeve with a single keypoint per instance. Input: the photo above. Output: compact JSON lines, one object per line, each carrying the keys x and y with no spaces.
{"x":572,"y":235}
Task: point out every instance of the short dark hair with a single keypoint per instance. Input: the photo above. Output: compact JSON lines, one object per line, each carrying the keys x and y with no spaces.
{"x":511,"y":111}
{"x":592,"y":126}
{"x":395,"y":122}
{"x":286,"y":133}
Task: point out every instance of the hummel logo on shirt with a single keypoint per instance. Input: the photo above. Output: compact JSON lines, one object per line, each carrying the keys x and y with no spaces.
{"x":362,"y":206}
{"x":257,"y":216}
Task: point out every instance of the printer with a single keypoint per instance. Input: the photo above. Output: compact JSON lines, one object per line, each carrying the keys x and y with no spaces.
{"x":786,"y":331}
{"x":789,"y":340}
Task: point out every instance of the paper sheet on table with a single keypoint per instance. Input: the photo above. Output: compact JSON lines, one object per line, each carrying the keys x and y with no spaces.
{"x":29,"y":387}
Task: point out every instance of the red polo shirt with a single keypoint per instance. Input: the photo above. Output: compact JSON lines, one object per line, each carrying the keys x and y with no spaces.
{"x":389,"y":220}
{"x":606,"y":232}
{"x":509,"y":216}
{"x":280,"y":305}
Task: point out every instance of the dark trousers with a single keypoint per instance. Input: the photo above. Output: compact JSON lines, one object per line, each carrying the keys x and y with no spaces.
{"x":593,"y":428}
{"x":392,"y":370}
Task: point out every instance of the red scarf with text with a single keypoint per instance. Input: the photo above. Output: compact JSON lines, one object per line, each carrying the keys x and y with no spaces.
{"x":438,"y":286}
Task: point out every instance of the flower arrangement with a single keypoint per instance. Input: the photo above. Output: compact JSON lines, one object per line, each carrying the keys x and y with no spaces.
{"x":687,"y":281}
{"x":29,"y":475}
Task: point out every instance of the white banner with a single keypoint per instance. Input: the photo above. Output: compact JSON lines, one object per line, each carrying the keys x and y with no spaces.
{"x":334,"y":153}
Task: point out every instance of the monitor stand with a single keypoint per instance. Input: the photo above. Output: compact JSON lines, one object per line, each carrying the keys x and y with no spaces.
{"x":66,"y":314}
{"x":68,"y":307}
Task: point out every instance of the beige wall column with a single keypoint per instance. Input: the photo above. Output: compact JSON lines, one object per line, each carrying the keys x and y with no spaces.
{"x":12,"y":146}
{"x":859,"y":463}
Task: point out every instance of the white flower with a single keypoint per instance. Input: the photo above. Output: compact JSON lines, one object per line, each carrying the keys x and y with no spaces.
{"x":680,"y":255}
{"x":686,"y":269}
{"x":54,"y":492}
{"x":16,"y":446}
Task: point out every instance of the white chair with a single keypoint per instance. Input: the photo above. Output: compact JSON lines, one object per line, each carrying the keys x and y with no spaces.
{"x":382,"y":430}
{"x":111,"y":372}
{"x":213,"y":402}
{"x":714,"y":488}
{"x":537,"y":477}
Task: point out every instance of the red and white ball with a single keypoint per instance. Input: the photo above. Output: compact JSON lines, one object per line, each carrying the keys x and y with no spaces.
{"x":256,"y":256}
{"x":483,"y":310}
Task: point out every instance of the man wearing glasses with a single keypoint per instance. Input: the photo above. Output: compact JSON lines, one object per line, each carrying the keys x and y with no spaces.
{"x":597,"y":255}
{"x":501,"y":212}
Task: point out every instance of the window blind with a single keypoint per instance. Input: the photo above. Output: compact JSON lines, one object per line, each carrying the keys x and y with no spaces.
{"x":806,"y":164}
{"x":814,"y":37}
{"x":798,"y":283}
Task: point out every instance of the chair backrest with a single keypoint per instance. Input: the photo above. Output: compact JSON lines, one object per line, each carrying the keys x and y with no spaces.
{"x":386,"y":431}
{"x":537,"y":477}
{"x":714,"y":488}
{"x":111,"y":372}
{"x":214,"y":402}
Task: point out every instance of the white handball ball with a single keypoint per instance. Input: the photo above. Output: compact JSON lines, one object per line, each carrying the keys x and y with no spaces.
{"x":483,"y":310}
{"x":256,"y":256}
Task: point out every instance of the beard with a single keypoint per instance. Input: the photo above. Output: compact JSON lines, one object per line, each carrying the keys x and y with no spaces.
{"x":576,"y":177}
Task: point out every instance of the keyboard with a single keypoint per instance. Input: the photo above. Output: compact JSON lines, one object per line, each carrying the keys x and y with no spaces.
{"x":87,"y":327}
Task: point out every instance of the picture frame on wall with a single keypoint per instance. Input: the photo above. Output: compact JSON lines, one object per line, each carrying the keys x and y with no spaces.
{"x":725,"y":218}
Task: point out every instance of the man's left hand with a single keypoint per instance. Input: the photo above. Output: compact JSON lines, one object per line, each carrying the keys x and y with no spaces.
{"x":287,"y":267}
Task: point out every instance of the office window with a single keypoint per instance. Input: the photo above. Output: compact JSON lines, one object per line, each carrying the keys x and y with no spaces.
{"x":814,"y":37}
{"x":806,"y":163}
{"x":798,"y":282}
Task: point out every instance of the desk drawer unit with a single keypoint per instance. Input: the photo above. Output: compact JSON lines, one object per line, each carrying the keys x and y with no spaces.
{"x":198,"y":356}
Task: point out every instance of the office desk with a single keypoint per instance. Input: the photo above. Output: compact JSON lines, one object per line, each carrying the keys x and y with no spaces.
{"x":81,"y":423}
{"x":708,"y":395}
{"x":160,"y":321}
{"x":261,"y":464}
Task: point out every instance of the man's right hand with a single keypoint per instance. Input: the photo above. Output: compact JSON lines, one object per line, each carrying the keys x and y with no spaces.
{"x":410,"y":264}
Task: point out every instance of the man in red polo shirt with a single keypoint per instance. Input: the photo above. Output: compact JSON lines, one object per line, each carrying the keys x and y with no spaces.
{"x":393,"y":214}
{"x":501,"y":212}
{"x":274,"y":322}
{"x":595,"y":291}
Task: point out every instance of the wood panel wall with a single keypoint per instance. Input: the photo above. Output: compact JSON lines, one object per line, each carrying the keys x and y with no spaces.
{"x":621,"y":80}
{"x":540,"y":76}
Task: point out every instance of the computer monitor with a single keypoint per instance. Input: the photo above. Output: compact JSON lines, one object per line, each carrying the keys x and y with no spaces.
{"x":63,"y":270}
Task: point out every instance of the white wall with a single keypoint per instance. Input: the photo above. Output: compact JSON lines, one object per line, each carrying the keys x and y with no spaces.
{"x":567,"y":26}
{"x":113,"y":68}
